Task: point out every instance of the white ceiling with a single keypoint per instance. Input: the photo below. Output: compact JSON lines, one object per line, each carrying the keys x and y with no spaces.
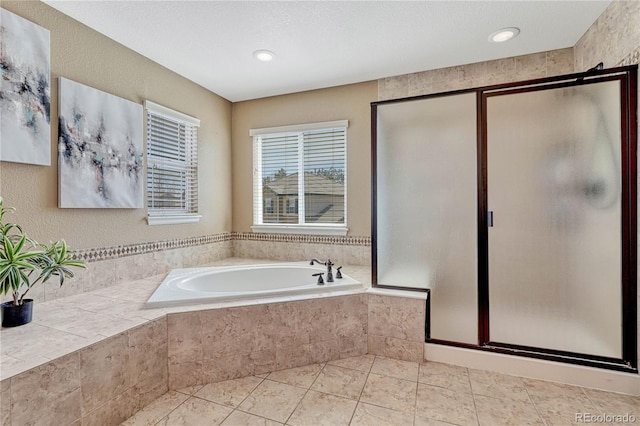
{"x":326,"y":43}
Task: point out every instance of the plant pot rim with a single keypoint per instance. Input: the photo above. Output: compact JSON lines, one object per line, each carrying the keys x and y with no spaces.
{"x":10,"y":303}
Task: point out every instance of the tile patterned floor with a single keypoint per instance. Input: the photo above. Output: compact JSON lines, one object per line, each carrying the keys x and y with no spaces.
{"x":375,"y":391}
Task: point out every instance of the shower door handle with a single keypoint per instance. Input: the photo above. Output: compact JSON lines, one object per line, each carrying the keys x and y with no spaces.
{"x":490,"y":219}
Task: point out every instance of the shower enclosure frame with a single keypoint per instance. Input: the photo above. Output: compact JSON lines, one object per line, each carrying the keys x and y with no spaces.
{"x":628,"y":77}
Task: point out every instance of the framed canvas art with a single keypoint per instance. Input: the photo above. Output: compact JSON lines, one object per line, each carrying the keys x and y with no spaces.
{"x":99,"y":149}
{"x":25,"y":97}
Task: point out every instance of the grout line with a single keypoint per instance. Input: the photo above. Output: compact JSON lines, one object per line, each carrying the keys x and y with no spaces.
{"x":236,"y":408}
{"x":415,"y":402}
{"x":318,"y":375}
{"x":215,"y":403}
{"x":354,"y":412}
{"x":584,"y":392}
{"x":169,"y":413}
{"x":371,"y":366}
{"x":386,"y":408}
{"x":362,"y":390}
{"x":228,"y":415}
{"x":339,"y":396}
{"x":296,"y":407}
{"x":75,"y":334}
{"x":473,"y":396}
{"x":307,"y":391}
{"x":535,"y":407}
{"x":475,"y":407}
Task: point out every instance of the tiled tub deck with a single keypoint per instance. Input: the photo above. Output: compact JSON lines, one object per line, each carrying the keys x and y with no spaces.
{"x":99,"y":357}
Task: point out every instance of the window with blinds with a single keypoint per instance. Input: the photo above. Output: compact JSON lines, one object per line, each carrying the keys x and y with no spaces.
{"x":172,"y":166}
{"x":300,"y":178}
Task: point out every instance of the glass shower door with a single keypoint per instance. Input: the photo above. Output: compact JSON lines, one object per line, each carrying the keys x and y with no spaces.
{"x":426,"y":207}
{"x":554,"y":187}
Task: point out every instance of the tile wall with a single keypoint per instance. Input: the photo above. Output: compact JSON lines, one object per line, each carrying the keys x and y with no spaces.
{"x":341,"y":250}
{"x":613,"y":39}
{"x":396,"y":327}
{"x":114,"y":265}
{"x":107,"y":382}
{"x":102,"y":384}
{"x":215,"y":345}
{"x":507,"y":70}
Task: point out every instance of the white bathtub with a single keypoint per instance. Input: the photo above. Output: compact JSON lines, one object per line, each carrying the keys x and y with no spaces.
{"x":246,"y":282}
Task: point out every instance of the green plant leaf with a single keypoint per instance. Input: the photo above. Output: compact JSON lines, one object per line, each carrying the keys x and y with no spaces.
{"x":24,"y":262}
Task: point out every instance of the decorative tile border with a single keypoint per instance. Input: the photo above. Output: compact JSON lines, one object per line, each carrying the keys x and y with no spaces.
{"x":303,"y":238}
{"x":115,"y":252}
{"x":104,"y":253}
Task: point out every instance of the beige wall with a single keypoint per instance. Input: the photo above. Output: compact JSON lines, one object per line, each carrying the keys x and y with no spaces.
{"x":337,"y":103}
{"x":85,"y":56}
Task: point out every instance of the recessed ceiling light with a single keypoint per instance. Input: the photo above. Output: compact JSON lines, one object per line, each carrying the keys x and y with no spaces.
{"x":264,"y":55}
{"x":504,"y":34}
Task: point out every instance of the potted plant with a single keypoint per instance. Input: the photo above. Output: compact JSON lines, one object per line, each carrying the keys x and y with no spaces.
{"x":25,"y":263}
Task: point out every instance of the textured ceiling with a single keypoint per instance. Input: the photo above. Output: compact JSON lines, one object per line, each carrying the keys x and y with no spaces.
{"x":326,"y":43}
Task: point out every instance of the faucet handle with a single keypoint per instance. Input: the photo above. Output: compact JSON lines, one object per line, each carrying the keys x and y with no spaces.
{"x":329,"y":263}
{"x":338,"y":272}
{"x":319,"y":275}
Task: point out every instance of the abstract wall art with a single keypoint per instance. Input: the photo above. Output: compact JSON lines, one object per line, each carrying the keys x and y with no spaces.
{"x":99,"y":149}
{"x":25,"y":114}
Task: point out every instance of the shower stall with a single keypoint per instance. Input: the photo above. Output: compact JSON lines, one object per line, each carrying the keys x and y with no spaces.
{"x":514,"y":206}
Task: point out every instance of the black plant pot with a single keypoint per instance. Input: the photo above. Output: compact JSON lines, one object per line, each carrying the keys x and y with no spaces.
{"x":13,"y":316}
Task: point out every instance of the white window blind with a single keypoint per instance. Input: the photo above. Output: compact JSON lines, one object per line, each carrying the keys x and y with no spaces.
{"x":325,"y":175}
{"x":300,"y":178}
{"x":172,"y":165}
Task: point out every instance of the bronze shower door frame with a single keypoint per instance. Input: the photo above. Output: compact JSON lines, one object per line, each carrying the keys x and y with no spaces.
{"x":628,"y":77}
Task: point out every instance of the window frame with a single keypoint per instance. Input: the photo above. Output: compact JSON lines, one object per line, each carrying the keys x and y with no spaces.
{"x":166,"y":216}
{"x":259,"y":226}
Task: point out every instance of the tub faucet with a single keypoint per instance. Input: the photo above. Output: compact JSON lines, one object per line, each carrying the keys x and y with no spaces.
{"x":328,"y":264}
